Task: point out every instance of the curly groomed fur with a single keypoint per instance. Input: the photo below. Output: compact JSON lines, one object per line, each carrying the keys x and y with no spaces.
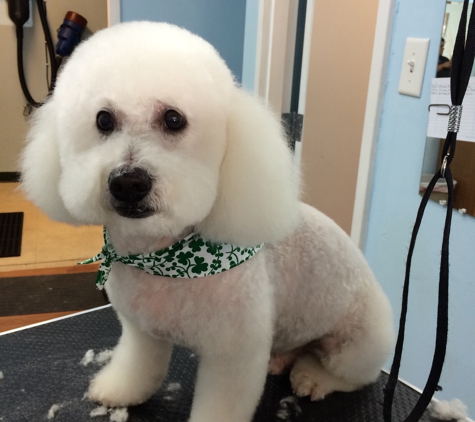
{"x":148,"y":134}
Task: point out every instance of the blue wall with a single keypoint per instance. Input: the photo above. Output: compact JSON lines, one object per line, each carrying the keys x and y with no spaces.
{"x":393,"y":210}
{"x":220,"y":22}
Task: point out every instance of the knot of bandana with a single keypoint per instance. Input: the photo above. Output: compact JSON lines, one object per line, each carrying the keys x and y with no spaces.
{"x":190,"y":257}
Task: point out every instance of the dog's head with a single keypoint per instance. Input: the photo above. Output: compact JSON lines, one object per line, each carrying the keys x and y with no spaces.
{"x":148,"y":130}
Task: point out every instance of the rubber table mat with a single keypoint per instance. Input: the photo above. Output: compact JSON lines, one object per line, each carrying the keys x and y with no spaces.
{"x":42,"y":367}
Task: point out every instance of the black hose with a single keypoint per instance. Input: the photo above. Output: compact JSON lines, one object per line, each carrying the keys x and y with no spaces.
{"x":49,"y":42}
{"x":54,"y":63}
{"x":21,"y":74}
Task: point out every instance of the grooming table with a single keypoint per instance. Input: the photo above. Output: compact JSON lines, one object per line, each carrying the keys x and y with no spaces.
{"x":41,"y":367}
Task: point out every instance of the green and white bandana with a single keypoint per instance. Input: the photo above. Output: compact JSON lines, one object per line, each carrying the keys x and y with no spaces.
{"x":190,"y":257}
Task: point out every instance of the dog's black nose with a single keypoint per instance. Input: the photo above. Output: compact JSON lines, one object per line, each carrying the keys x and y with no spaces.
{"x":129,"y":185}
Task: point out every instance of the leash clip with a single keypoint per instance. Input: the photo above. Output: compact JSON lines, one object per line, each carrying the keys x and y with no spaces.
{"x":444,"y":165}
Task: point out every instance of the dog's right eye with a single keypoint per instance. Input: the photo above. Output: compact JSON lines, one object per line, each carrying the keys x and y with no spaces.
{"x":105,"y":122}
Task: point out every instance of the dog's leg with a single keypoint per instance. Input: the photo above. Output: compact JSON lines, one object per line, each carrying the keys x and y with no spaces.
{"x":282,"y":362}
{"x":228,"y":388}
{"x":349,"y":357}
{"x":138,"y":366}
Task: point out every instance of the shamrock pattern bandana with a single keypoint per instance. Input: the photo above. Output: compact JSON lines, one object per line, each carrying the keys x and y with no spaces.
{"x":190,"y":257}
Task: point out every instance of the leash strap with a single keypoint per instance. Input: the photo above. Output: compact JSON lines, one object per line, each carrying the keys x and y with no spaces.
{"x":462,"y":62}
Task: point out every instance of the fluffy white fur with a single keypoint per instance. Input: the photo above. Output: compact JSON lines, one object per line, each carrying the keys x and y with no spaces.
{"x":454,"y":410}
{"x":306,"y":302}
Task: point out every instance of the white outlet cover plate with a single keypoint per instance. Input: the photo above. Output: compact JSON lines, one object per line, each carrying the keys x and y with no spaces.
{"x":415,"y":52}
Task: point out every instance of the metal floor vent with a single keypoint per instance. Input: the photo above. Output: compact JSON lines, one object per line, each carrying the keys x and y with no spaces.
{"x":11,"y":229}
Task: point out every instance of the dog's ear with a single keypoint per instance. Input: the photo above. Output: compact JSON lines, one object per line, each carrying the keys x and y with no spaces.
{"x":40,"y":165}
{"x":258,"y":189}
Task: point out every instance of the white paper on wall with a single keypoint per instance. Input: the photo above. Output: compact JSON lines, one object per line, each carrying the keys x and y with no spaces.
{"x":440,"y":94}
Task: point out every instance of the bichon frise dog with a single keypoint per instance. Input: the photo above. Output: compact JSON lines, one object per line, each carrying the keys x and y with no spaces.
{"x":148,"y":134}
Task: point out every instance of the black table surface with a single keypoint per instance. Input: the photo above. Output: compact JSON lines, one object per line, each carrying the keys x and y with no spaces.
{"x":42,"y":367}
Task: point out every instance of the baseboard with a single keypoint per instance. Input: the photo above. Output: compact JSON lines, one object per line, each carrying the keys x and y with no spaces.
{"x":12,"y":176}
{"x":32,"y":272}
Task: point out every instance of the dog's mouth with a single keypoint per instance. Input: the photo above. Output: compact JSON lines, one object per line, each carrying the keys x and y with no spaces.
{"x":133,"y":210}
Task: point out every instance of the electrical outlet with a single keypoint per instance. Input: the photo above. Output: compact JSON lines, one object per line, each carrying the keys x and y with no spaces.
{"x":413,"y":66}
{"x":5,"y":19}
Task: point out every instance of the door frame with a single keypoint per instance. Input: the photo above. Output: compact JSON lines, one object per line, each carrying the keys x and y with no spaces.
{"x":274,"y":64}
{"x":374,"y":103}
{"x":270,"y":84}
{"x":113,"y":12}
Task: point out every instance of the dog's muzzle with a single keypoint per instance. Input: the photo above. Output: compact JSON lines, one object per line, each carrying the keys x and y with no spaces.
{"x":129,"y":187}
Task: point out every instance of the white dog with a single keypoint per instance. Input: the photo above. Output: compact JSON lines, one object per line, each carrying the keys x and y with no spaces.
{"x":148,"y":134}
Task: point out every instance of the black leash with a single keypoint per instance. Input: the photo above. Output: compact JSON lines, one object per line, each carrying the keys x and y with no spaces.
{"x":462,"y":62}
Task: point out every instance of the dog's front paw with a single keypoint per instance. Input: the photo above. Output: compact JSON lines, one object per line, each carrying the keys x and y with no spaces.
{"x":304,"y":384}
{"x":116,"y":388}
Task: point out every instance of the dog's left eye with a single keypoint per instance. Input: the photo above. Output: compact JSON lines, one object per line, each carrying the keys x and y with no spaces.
{"x":105,"y":122}
{"x":174,"y":120}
